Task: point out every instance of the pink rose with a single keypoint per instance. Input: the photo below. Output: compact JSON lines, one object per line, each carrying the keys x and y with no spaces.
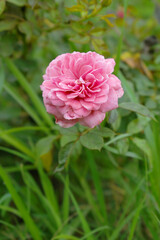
{"x":80,"y":87}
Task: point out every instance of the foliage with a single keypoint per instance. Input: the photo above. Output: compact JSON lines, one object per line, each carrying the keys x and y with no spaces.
{"x":79,"y":183}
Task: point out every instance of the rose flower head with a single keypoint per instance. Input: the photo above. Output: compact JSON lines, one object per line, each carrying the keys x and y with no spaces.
{"x":80,"y":87}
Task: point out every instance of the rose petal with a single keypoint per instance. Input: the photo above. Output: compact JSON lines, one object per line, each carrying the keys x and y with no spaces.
{"x":82,"y":112}
{"x":101,"y":99}
{"x":57,"y":102}
{"x":111,"y":103}
{"x":66,"y":123}
{"x":53,"y":110}
{"x":61,"y":95}
{"x":114,"y":82}
{"x":90,"y":99}
{"x":75,"y":104}
{"x":84,"y":70}
{"x":110,"y":63}
{"x":70,"y":115}
{"x":89,"y":105}
{"x":120,"y":92}
{"x":95,"y":118}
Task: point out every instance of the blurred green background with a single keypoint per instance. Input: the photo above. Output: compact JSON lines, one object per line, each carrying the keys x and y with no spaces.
{"x":78,"y":183}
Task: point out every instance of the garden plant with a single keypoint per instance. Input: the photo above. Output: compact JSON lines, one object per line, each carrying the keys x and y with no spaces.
{"x":79,"y":120}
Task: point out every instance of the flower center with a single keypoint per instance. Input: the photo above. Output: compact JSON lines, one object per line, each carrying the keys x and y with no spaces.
{"x":80,"y":81}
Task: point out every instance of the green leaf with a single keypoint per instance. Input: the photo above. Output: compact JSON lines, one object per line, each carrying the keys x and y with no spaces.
{"x":127,"y":154}
{"x":127,"y":88}
{"x":2,"y":75}
{"x":106,"y":3}
{"x":76,"y":8}
{"x":70,"y":150}
{"x":97,"y":31}
{"x":68,"y":135}
{"x":143,"y":145}
{"x":115,"y":139}
{"x":137,"y":125}
{"x":108,"y":22}
{"x":26,"y":28}
{"x":63,"y":156}
{"x":92,"y":140}
{"x":116,"y":124}
{"x":7,"y":25}
{"x":80,"y":39}
{"x":104,"y":132}
{"x":67,"y":139}
{"x":99,"y":45}
{"x":113,"y":115}
{"x":123,"y":146}
{"x":2,"y":6}
{"x":65,"y":153}
{"x":7,"y":44}
{"x":69,"y":131}
{"x":138,"y":108}
{"x":44,"y":145}
{"x":19,"y":3}
{"x":81,"y":28}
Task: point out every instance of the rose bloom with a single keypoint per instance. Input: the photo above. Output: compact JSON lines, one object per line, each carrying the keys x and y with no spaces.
{"x":80,"y":87}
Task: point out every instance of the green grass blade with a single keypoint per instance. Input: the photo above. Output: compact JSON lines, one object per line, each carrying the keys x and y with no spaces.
{"x":118,"y":229}
{"x":21,"y":207}
{"x":125,"y":84}
{"x":29,"y":90}
{"x":2,"y":75}
{"x":7,"y":224}
{"x":135,"y":220}
{"x":14,"y":93}
{"x":46,"y":209}
{"x":131,"y":199}
{"x":89,"y":196}
{"x":10,"y":210}
{"x":66,"y":237}
{"x":153,"y":139}
{"x":16,"y":153}
{"x":84,"y":223}
{"x":19,"y":167}
{"x":97,"y":183}
{"x":66,"y":200}
{"x":95,"y":231}
{"x":49,"y":192}
{"x":132,"y":96}
{"x":16,"y":143}
{"x":26,"y":128}
{"x":120,"y":43}
{"x":152,"y":223}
